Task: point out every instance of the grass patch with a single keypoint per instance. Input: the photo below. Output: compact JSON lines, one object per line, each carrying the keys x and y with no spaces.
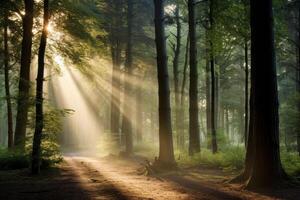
{"x":230,"y":160}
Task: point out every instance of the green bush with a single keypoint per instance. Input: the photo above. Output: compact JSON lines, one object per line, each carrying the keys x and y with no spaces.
{"x":233,"y":159}
{"x":13,"y":160}
{"x":291,"y":162}
{"x":229,"y":159}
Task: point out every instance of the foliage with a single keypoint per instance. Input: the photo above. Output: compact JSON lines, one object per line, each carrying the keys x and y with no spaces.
{"x":291,"y":162}
{"x":10,"y":160}
{"x":51,"y":152}
{"x":230,"y":159}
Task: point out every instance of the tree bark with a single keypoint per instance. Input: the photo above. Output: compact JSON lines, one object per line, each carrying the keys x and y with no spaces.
{"x":24,"y":82}
{"x":39,"y":120}
{"x":194,"y":138}
{"x":7,"y":85}
{"x":166,"y":152}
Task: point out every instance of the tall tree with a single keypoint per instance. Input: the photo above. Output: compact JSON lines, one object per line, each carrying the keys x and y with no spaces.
{"x":166,"y":151}
{"x":24,"y":81}
{"x":128,"y":89}
{"x":263,"y":165}
{"x":246,"y":93}
{"x":194,"y":139}
{"x":39,"y":119}
{"x":213,"y":80}
{"x":7,"y":83}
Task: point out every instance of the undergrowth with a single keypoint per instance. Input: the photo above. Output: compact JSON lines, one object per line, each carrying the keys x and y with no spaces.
{"x":230,"y":159}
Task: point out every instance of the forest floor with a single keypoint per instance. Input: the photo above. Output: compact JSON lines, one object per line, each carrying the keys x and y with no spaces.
{"x":80,"y":178}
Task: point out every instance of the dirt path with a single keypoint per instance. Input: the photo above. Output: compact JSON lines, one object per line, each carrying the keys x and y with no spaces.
{"x":187,"y":184}
{"x":81,"y":178}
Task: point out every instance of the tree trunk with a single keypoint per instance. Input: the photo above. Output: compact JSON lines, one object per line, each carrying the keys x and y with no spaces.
{"x":246,"y":93}
{"x":213,"y":107}
{"x":263,"y":165}
{"x":166,"y":152}
{"x":176,"y":76}
{"x":241,"y":126}
{"x":39,"y":120}
{"x":24,"y":82}
{"x":208,"y":95}
{"x":128,"y":89}
{"x":213,"y":85}
{"x":10,"y":133}
{"x":194,"y":139}
{"x":217,"y":90}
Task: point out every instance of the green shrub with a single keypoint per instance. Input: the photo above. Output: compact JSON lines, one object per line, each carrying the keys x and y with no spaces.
{"x":13,"y":160}
{"x":291,"y":162}
{"x":230,"y":159}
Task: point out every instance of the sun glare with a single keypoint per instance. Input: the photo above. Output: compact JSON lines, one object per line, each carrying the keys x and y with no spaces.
{"x":50,"y":28}
{"x":59,"y":60}
{"x":169,"y":9}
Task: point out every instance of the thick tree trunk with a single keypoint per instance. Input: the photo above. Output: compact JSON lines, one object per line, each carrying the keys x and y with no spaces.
{"x":10,"y":133}
{"x":39,"y":120}
{"x":194,"y":139}
{"x":24,"y":82}
{"x":176,"y":76}
{"x":166,"y":152}
{"x":263,"y":166}
{"x":128,"y":89}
